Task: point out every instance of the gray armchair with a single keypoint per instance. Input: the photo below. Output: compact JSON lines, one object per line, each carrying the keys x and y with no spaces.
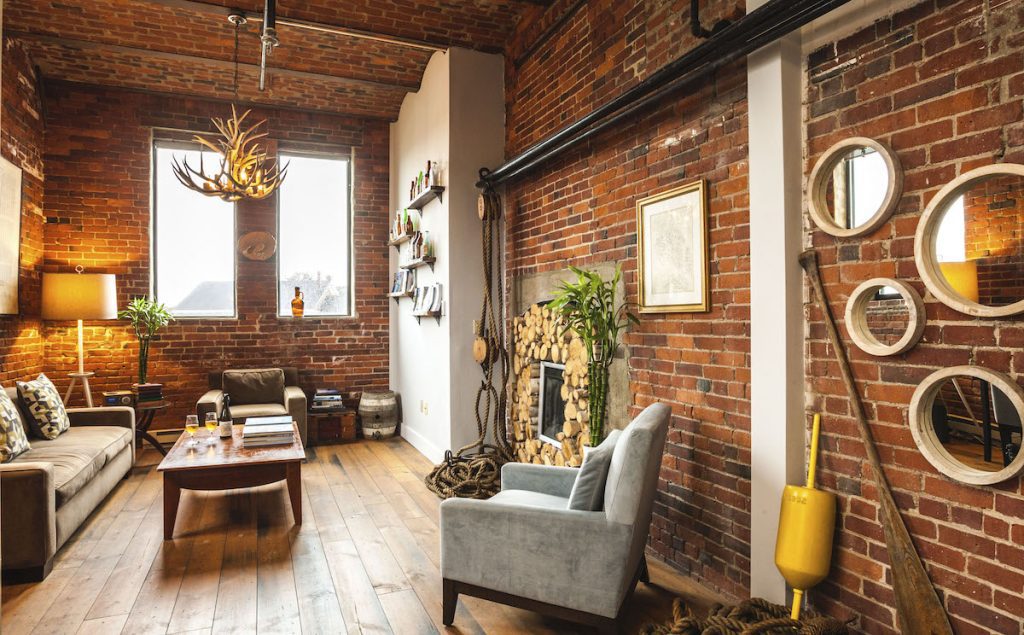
{"x":489,"y":549}
{"x":257,"y":392}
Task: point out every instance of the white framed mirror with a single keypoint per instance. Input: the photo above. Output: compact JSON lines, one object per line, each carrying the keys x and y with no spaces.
{"x":885,"y":317}
{"x":854,"y":187}
{"x":969,"y":245}
{"x":966,"y":420}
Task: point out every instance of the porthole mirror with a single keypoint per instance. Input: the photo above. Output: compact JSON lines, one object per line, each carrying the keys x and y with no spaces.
{"x":970,"y":242}
{"x":854,"y":187}
{"x":966,"y":421}
{"x":885,"y":317}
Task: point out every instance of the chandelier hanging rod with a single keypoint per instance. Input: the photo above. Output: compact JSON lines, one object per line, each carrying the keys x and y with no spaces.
{"x":356,"y":33}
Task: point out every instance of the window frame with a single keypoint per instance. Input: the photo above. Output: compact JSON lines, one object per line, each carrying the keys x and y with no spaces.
{"x":283,"y":154}
{"x":177,"y":144}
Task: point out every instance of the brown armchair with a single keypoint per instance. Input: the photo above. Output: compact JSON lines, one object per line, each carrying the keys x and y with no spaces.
{"x":257,"y":392}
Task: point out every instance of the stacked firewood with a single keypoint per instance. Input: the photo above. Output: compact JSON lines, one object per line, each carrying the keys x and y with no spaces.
{"x":539,"y":335}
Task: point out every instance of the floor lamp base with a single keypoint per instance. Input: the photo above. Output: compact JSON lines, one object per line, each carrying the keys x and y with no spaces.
{"x":79,"y":378}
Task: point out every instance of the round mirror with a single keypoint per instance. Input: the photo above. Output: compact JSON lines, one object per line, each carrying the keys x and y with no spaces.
{"x":966,"y":421}
{"x":970,"y":242}
{"x":885,"y":317}
{"x":854,"y":187}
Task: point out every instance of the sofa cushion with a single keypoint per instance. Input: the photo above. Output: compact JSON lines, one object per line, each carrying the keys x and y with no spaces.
{"x":530,"y":499}
{"x":43,"y":407}
{"x":256,"y":386}
{"x":588,"y":490}
{"x":13,"y":440}
{"x":78,"y":456}
{"x":241,"y":413}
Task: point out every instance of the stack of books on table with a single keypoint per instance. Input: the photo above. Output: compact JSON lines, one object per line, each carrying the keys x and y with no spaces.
{"x":261,"y":431}
{"x":327,"y":400}
{"x":148,"y":392}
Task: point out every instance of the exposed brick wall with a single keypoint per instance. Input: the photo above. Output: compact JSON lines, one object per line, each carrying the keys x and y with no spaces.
{"x":97,"y":200}
{"x":581,"y":210}
{"x":993,"y":236}
{"x":21,"y":141}
{"x":942,"y":83}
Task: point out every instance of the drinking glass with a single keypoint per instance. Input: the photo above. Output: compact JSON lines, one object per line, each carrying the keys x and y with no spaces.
{"x":211,"y":425}
{"x":192,"y":426}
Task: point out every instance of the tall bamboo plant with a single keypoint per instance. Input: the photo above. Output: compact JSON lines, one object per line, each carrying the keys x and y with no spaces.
{"x":146,"y":317}
{"x":588,"y":307}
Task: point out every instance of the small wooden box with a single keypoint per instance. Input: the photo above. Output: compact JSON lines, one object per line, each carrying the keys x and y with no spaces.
{"x":331,"y":427}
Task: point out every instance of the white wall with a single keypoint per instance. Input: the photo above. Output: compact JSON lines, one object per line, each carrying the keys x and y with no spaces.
{"x":457,"y":118}
{"x":420,"y":361}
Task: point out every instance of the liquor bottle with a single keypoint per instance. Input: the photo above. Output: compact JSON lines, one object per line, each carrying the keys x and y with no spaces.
{"x":225,"y":422}
{"x":298,"y":303}
{"x":434,"y":176}
{"x":428,"y":182}
{"x":408,"y":223}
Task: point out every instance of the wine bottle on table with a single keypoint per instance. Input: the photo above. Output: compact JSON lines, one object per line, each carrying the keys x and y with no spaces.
{"x":225,"y":423}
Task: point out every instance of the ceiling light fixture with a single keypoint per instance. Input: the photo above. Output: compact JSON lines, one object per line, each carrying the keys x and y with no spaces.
{"x":268,"y":39}
{"x":244,"y":172}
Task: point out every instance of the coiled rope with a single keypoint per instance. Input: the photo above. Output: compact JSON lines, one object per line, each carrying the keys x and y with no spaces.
{"x":474,"y":470}
{"x":756,"y":616}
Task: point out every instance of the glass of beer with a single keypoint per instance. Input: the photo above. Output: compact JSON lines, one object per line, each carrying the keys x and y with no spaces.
{"x":211,"y":426}
{"x":192,"y":426}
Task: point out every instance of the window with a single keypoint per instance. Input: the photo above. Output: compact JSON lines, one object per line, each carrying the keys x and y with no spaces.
{"x":314,"y":235}
{"x":193,"y":240}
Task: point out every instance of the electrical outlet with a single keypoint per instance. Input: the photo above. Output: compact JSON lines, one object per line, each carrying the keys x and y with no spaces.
{"x":426,"y":408}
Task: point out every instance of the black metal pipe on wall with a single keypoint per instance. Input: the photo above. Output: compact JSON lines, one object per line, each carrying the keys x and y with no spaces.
{"x":758,"y":28}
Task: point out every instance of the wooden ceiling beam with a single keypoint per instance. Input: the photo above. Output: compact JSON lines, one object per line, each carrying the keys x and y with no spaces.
{"x":194,"y":59}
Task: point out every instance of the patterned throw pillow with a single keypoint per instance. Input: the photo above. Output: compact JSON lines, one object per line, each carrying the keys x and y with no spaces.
{"x":41,"y":401}
{"x":12,"y":434}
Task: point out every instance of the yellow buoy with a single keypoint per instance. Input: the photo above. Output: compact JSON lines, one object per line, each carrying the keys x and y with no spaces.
{"x":803,"y":550}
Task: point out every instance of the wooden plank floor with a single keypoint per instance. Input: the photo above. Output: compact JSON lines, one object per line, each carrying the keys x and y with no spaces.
{"x":366,"y":560}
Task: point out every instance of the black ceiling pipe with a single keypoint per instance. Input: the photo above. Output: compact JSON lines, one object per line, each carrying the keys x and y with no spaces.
{"x":760,"y":27}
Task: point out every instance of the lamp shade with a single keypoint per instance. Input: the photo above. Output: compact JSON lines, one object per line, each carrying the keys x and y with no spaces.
{"x":79,"y":296}
{"x":963,"y":277}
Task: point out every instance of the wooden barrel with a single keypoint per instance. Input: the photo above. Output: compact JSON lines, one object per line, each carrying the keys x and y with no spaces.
{"x":379,"y":414}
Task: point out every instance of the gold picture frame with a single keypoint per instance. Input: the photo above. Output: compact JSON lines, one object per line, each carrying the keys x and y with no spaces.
{"x":672,"y":250}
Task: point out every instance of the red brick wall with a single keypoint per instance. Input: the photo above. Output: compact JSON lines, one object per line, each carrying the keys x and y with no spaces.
{"x":993,"y":224}
{"x":941,"y":83}
{"x":581,"y":210}
{"x":97,"y":200}
{"x":21,"y":141}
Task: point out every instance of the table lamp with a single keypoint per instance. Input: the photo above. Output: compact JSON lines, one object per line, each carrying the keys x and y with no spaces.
{"x":79,"y":296}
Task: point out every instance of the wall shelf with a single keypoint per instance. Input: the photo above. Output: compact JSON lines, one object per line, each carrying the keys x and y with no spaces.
{"x":395,"y":241}
{"x":427,"y":195}
{"x":419,"y":262}
{"x":398,"y":296}
{"x":429,"y":314}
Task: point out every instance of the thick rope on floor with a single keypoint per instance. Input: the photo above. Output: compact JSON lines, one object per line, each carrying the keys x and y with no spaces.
{"x":474,"y":471}
{"x":750,"y":617}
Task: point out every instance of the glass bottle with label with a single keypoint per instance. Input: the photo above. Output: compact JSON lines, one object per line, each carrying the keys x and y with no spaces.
{"x":298,"y":303}
{"x":225,"y":423}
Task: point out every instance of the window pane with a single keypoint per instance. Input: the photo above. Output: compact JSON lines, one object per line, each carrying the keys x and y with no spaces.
{"x":313,"y":242}
{"x":194,"y":242}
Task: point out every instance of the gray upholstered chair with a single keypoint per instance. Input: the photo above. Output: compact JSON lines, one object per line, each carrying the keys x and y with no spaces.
{"x":257,"y":392}
{"x":490,"y":549}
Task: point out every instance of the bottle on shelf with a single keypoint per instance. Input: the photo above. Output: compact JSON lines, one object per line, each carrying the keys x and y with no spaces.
{"x":434,"y":177}
{"x":428,"y":182}
{"x":298,"y":303}
{"x":225,"y":423}
{"x":408,"y":223}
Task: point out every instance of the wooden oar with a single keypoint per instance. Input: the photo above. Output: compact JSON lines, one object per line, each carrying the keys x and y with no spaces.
{"x":918,"y":607}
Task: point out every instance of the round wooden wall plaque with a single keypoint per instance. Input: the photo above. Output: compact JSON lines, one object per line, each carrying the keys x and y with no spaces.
{"x":257,"y":245}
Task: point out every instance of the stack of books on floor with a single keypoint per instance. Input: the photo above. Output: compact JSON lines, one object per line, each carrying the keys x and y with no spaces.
{"x":262,"y":431}
{"x":327,"y":399}
{"x":148,"y":392}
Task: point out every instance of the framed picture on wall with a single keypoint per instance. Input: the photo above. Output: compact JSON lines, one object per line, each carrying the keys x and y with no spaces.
{"x":672,"y":250}
{"x":10,"y":235}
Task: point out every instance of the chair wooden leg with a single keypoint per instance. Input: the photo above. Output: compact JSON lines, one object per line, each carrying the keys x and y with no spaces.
{"x":645,"y":575}
{"x":450,"y":600}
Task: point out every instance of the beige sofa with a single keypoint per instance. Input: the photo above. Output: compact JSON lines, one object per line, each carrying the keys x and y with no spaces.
{"x":47,"y":492}
{"x":257,"y":392}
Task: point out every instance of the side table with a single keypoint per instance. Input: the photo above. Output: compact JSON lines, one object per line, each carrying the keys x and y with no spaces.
{"x":331,"y":426}
{"x":144,"y":413}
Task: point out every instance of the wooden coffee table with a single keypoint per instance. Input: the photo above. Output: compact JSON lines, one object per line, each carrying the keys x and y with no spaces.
{"x":225,"y":464}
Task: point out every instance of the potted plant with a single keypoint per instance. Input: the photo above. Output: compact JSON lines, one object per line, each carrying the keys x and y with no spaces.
{"x":588,"y":307}
{"x":147,"y":317}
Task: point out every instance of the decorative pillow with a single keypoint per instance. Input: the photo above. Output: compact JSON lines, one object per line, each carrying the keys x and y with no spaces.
{"x":588,"y":490}
{"x":258,"y":385}
{"x":12,"y":434}
{"x":42,"y":403}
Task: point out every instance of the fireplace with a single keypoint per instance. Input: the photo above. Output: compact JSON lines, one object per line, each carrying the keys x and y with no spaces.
{"x":551,"y":413}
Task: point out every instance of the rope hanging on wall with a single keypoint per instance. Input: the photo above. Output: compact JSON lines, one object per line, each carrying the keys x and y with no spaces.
{"x":756,"y":616}
{"x":474,"y":471}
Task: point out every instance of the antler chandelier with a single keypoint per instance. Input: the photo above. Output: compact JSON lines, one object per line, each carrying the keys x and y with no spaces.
{"x":244,"y":170}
